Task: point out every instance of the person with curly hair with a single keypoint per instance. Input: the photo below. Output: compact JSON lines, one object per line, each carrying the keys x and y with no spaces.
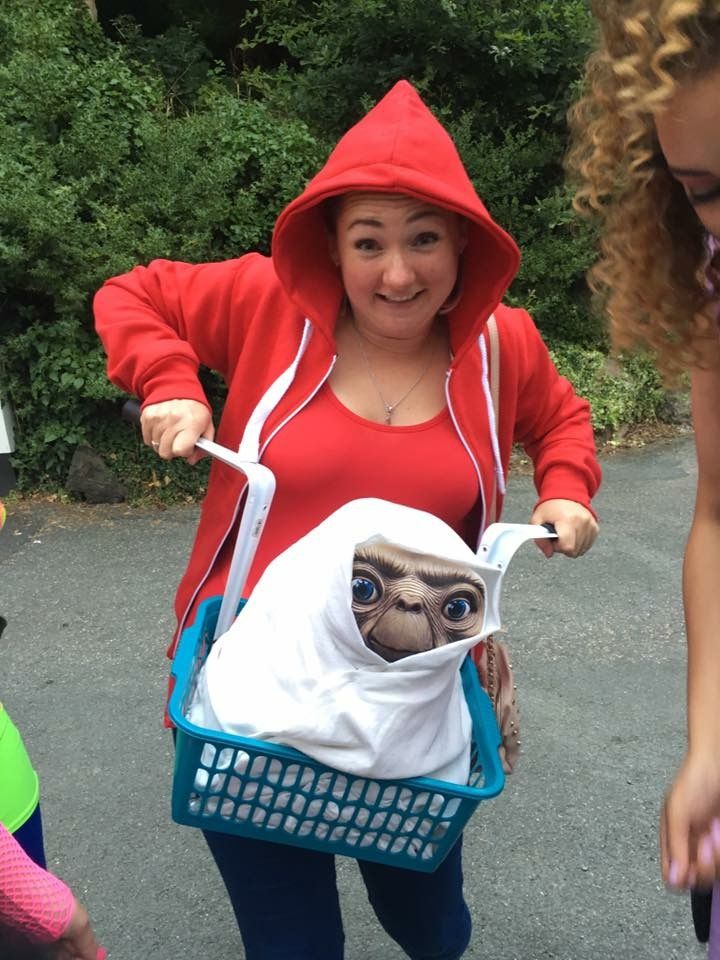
{"x":646,"y":158}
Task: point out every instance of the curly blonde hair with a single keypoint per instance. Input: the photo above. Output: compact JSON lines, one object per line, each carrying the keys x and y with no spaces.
{"x":657,"y":275}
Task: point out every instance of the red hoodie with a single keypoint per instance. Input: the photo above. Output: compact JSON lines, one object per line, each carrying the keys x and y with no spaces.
{"x":256,"y":318}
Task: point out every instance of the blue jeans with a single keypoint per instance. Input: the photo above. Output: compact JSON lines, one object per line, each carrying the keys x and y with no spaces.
{"x":286,"y":902}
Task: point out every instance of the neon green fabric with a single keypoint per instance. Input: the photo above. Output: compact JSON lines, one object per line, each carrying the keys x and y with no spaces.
{"x":19,"y":785}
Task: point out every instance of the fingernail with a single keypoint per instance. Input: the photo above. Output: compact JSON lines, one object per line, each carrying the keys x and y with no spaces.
{"x":707,"y":851}
{"x":673,"y":874}
{"x":715,"y":834}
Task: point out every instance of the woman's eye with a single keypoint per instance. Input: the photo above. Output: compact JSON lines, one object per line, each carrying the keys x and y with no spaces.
{"x":366,"y":245}
{"x":364,"y":590}
{"x":426,"y":239}
{"x":457,"y":608}
{"x":699,"y":197}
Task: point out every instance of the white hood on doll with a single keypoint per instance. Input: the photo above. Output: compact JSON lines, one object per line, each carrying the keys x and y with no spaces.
{"x":294,"y":669}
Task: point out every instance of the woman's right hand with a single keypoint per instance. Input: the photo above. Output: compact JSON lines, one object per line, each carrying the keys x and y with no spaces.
{"x":172,"y":427}
{"x":690,"y":825}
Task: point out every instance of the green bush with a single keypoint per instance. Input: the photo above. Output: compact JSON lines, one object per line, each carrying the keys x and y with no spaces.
{"x":101,"y":168}
{"x":628,"y":392}
{"x":129,"y":140}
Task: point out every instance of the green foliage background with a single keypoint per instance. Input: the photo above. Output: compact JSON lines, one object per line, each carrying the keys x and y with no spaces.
{"x":181,"y":131}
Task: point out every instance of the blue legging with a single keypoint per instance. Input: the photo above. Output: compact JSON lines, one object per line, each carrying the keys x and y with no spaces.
{"x":286,"y":903}
{"x":30,"y":837}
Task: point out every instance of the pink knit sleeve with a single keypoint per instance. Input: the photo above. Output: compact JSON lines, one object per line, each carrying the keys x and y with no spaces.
{"x":31,"y":899}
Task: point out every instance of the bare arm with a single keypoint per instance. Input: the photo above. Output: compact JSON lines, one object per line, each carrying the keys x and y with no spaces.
{"x":690,"y":842}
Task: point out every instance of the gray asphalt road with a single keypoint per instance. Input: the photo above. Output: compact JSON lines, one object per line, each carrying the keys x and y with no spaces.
{"x":562,"y":865}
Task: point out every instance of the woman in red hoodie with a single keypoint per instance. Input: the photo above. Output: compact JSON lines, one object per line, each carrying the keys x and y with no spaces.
{"x":357,"y":359}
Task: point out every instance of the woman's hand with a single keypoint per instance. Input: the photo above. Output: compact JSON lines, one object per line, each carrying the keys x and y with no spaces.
{"x":172,"y":427}
{"x":575,"y":526}
{"x":690,"y":825}
{"x":78,"y":942}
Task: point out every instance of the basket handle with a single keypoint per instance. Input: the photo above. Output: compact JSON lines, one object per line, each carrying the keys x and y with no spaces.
{"x":260,"y":492}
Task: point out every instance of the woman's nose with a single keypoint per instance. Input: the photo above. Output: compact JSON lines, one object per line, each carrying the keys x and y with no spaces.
{"x":398,"y":271}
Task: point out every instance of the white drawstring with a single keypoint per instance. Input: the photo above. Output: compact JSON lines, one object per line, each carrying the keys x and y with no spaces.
{"x":249,"y":448}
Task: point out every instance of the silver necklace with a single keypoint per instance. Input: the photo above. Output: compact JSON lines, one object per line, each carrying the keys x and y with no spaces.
{"x":389,"y":407}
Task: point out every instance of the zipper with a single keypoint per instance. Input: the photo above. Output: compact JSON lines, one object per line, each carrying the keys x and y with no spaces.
{"x":469,"y":453}
{"x":293,"y":413}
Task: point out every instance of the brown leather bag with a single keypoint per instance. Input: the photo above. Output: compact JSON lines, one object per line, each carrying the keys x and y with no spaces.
{"x":495,"y":671}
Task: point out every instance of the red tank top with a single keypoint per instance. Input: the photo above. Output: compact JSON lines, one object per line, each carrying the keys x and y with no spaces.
{"x":327,"y":455}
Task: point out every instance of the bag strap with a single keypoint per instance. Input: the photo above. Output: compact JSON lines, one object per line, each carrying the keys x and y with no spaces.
{"x":494,"y":341}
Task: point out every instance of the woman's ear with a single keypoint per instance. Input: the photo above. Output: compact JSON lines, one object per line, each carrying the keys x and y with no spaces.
{"x":462,"y":234}
{"x":333,"y":247}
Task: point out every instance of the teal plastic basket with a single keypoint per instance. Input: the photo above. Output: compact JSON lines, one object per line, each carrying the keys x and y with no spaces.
{"x":253,"y":788}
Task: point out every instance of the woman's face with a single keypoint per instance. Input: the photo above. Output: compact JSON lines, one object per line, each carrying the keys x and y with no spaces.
{"x":398,"y":257}
{"x":689,"y":135}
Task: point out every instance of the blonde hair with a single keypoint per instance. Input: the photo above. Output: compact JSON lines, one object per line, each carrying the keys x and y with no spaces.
{"x":657,"y":275}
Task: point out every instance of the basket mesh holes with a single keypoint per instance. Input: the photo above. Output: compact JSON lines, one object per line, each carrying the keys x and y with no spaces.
{"x":436,"y":805}
{"x":337,"y":834}
{"x":266,"y":796}
{"x":425,"y":828}
{"x":420,"y":802}
{"x":429,"y":851}
{"x":243,"y":811}
{"x":282,"y":800}
{"x":409,"y":824}
{"x":217,"y":782}
{"x":367,"y":840}
{"x":372,"y":792}
{"x":323,"y":784}
{"x":290,"y":824}
{"x":346,"y":814}
{"x":194,"y":804}
{"x":250,"y":791}
{"x":298,"y":804}
{"x":394,"y":821}
{"x":211,"y":805}
{"x":440,"y":830}
{"x":321,"y":831}
{"x":227,"y":809}
{"x":224,"y":761}
{"x":208,"y":754}
{"x":258,"y":816}
{"x":201,"y":779}
{"x":405,"y":798}
{"x":274,"y":771}
{"x":257,"y":768}
{"x":274,"y":821}
{"x":362,"y":817}
{"x":306,"y":828}
{"x":384,"y":841}
{"x":331,"y":811}
{"x":452,"y":807}
{"x":339,"y":787}
{"x":291,"y":775}
{"x":314,"y":808}
{"x":388,"y":796}
{"x":378,"y":821}
{"x":353,"y":836}
{"x":233,"y":788}
{"x":398,"y":845}
{"x":242,"y":761}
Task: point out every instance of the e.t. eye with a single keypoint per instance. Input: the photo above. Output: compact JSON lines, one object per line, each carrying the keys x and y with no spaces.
{"x":364,"y":590}
{"x":457,"y":608}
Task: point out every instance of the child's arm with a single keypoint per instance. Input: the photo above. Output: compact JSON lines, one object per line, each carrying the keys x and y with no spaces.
{"x":690,"y":825}
{"x":40,"y":905}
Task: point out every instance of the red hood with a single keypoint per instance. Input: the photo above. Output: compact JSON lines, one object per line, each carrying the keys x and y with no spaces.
{"x":398,"y":147}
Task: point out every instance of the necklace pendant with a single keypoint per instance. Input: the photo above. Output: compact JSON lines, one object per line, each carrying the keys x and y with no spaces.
{"x":389,"y":413}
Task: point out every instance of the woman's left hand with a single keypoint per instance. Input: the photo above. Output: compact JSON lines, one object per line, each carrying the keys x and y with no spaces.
{"x":575,"y":526}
